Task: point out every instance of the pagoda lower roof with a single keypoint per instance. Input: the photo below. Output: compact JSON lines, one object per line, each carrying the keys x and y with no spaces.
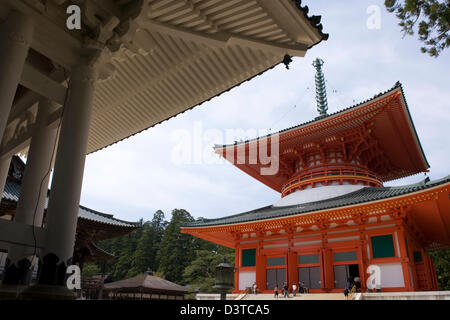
{"x":359,"y":197}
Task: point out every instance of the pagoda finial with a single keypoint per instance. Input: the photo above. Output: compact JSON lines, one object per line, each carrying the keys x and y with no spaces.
{"x":321,"y":92}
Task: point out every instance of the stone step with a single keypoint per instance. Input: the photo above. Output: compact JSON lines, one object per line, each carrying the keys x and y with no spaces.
{"x":310,"y":296}
{"x":419,"y":295}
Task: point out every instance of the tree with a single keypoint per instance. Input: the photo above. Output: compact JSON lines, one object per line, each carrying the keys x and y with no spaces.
{"x":432,"y":18}
{"x":441,"y":260}
{"x":201,"y":272}
{"x":177,"y":249}
{"x":145,"y":256}
{"x":125,"y":257}
{"x":90,"y":269}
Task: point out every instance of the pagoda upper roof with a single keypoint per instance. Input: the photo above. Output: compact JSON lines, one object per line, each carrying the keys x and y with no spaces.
{"x":392,"y":127}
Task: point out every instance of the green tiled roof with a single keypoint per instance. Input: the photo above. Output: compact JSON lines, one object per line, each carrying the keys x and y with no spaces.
{"x":363,"y":195}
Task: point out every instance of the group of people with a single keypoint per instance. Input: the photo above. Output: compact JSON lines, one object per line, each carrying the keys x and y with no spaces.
{"x":285,"y":289}
{"x":300,"y":288}
{"x":352,"y":285}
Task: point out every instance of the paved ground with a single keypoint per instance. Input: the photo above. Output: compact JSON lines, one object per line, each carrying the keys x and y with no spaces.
{"x":311,"y":296}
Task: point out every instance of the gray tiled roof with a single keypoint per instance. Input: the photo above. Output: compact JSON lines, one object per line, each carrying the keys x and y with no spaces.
{"x":363,"y":195}
{"x":93,"y":215}
{"x":146,"y":281}
{"x":12,"y":191}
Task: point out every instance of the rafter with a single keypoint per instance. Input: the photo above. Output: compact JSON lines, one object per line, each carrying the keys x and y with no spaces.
{"x":30,"y":98}
{"x":42,"y":84}
{"x":223,"y":39}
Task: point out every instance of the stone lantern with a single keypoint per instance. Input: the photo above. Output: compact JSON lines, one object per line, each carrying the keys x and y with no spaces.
{"x":224,"y":278}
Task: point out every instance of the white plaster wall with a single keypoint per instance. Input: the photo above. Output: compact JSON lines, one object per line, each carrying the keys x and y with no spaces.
{"x":316,"y":194}
{"x":246,"y":279}
{"x":391,"y":275}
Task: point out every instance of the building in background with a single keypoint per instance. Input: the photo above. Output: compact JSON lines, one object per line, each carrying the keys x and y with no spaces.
{"x":335,"y":218}
{"x":92,"y":226}
{"x":145,"y":286}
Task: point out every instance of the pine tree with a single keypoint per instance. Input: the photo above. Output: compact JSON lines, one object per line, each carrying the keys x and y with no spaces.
{"x":145,"y":256}
{"x":176,"y":250}
{"x":432,"y":18}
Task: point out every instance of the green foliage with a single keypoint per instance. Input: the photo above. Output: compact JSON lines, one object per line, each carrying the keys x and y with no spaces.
{"x":432,"y":18}
{"x":176,"y":250}
{"x":145,"y":256}
{"x":200,"y":273}
{"x":90,"y":269}
{"x":160,"y":246}
{"x":441,"y":260}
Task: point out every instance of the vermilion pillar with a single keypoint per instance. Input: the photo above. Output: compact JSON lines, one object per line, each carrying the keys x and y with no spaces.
{"x":260,"y":271}
{"x":328,"y":272}
{"x":404,"y":258}
{"x":433,"y":274}
{"x":364,"y":260}
{"x":237,"y":251}
{"x":292,"y":269}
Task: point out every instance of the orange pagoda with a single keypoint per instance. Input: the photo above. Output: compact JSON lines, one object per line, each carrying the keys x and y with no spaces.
{"x":335,"y":218}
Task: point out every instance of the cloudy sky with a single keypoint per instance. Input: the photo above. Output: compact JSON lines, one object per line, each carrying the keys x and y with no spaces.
{"x":151,"y":171}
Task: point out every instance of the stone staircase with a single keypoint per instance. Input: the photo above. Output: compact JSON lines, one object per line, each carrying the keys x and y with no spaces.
{"x":419,"y":295}
{"x":310,"y":296}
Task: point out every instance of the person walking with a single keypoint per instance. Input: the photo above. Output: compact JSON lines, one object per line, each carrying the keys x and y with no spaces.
{"x":286,"y":290}
{"x":358,"y":284}
{"x":294,"y":289}
{"x":348,"y":287}
{"x":275,"y":292}
{"x":255,"y":288}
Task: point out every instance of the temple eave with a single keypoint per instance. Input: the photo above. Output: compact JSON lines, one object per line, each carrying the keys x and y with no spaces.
{"x":426,"y":206}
